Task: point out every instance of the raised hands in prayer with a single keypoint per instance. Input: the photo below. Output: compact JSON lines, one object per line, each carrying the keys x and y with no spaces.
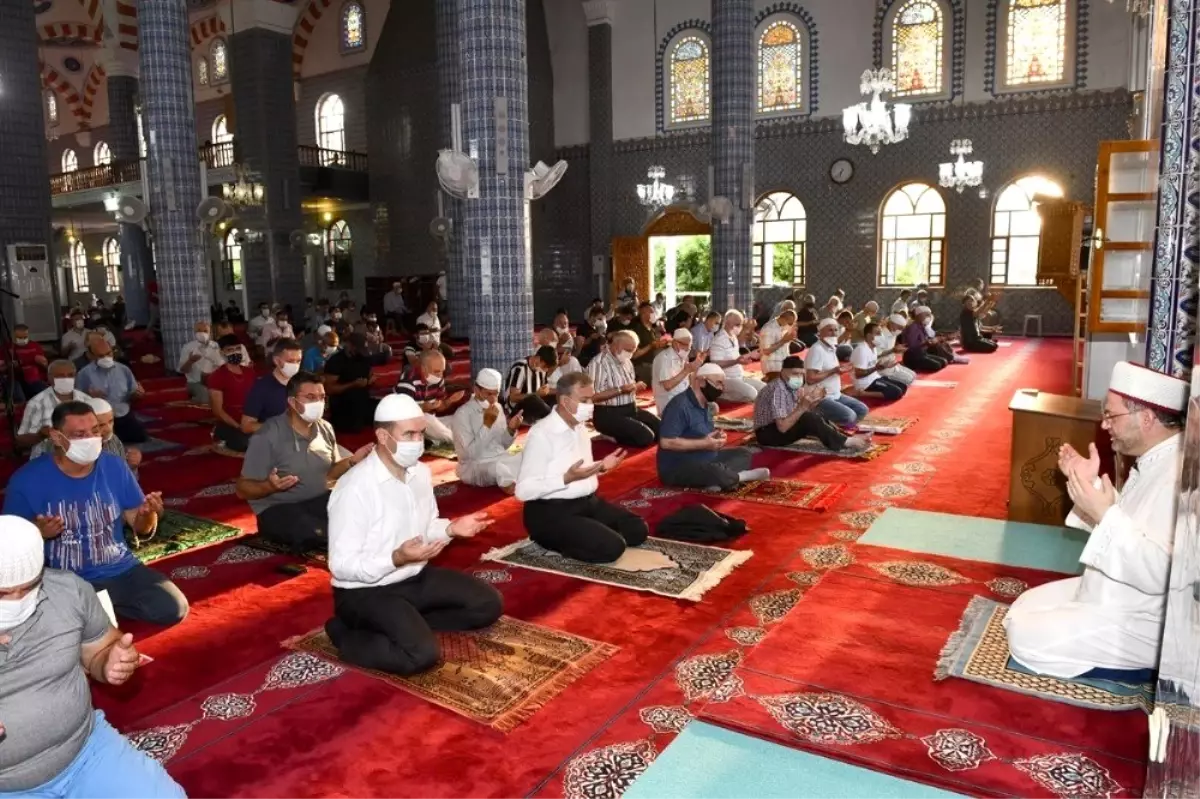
{"x":514,"y":423}
{"x":152,"y":504}
{"x":580,"y":472}
{"x":278,"y":483}
{"x":612,"y":461}
{"x":717,"y":439}
{"x":1091,"y":503}
{"x":1071,"y":461}
{"x":416,"y":550}
{"x":490,"y":414}
{"x":845,"y":368}
{"x":698,"y":361}
{"x":469,"y":526}
{"x":122,"y":661}
{"x":49,"y":526}
{"x":455,"y":398}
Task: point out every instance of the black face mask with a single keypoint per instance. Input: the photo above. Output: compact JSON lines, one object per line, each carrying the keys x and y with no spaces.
{"x":234,"y":358}
{"x":710,"y":392}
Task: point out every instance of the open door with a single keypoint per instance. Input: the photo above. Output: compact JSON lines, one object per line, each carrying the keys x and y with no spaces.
{"x":631,"y":259}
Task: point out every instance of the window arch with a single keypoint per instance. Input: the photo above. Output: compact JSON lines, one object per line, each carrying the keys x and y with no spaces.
{"x":1017,"y":230}
{"x":79,"y":267}
{"x":1035,"y":43}
{"x":70,"y":161}
{"x":783,"y":54}
{"x":687,"y":83}
{"x":779,"y":236}
{"x":112,"y":264}
{"x":51,"y":107}
{"x":339,"y":258}
{"x":918,"y":37}
{"x":331,"y":128}
{"x":219,"y":56}
{"x":220,"y":130}
{"x":202,"y":71}
{"x":354,"y":27}
{"x":101,"y":154}
{"x":912,"y":237}
{"x":231,"y":260}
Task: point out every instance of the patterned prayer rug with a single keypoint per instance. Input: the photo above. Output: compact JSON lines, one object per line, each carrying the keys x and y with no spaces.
{"x":441,"y":450}
{"x":978,"y":651}
{"x":178,"y":532}
{"x":698,"y":568}
{"x":811,"y":446}
{"x":792,"y":493}
{"x":266,"y":545}
{"x":734,"y":423}
{"x":886,"y":425}
{"x":936,"y":383}
{"x":500,"y":676}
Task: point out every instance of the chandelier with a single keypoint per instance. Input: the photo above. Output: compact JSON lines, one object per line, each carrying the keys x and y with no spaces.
{"x":244,"y":192}
{"x":871,"y":123}
{"x":656,"y":193}
{"x":960,"y":174}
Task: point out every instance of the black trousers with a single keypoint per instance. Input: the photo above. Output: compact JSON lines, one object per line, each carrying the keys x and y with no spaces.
{"x":129,"y":429}
{"x":391,"y":627}
{"x":230,"y":438}
{"x":979,"y":345}
{"x":300,"y":526}
{"x":721,"y":471}
{"x":144,"y":594}
{"x":891,"y":390}
{"x":352,"y":410}
{"x":921,"y":360}
{"x":809,"y":425}
{"x":533,"y":408}
{"x":585,"y":528}
{"x":628,"y":425}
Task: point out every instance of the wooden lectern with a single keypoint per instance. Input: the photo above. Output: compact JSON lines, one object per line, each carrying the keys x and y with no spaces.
{"x":1042,"y":423}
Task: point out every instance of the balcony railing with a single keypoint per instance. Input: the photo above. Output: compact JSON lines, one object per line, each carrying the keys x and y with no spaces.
{"x":96,"y":177}
{"x":335,"y":159}
{"x":217,"y":155}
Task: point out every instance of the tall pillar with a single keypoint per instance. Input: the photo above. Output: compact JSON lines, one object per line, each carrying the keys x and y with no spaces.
{"x":169,"y":125}
{"x":264,"y":123}
{"x":499,"y":285}
{"x":733,"y":76}
{"x":600,"y":130}
{"x":449,"y":71}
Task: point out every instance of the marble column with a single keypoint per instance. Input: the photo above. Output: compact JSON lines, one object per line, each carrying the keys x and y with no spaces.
{"x":449,"y":71}
{"x":733,"y":77}
{"x":264,"y":130}
{"x":600,"y":130}
{"x":169,"y":125}
{"x":496,"y":255}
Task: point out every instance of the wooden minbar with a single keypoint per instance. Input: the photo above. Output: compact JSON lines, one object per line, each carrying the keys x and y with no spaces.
{"x":1041,"y":424}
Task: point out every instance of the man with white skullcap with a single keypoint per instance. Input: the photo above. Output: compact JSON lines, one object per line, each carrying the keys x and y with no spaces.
{"x":384,"y":527}
{"x":919,"y":347}
{"x":691,"y":452}
{"x":725,"y":351}
{"x":52,"y":741}
{"x":890,"y":349}
{"x":482,"y":436}
{"x":774,"y":341}
{"x":104,"y":415}
{"x":671,"y":369}
{"x":823,"y":368}
{"x":1111,"y":617}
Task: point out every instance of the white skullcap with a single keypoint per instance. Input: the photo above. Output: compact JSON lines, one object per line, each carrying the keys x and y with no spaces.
{"x":871,"y":304}
{"x":323,"y":329}
{"x":682,"y":334}
{"x":489,"y":379}
{"x":828,"y":321}
{"x":897,"y":319}
{"x":21,"y":555}
{"x":710,"y":370}
{"x":921,"y":309}
{"x":397,"y":408}
{"x":99,"y":405}
{"x":1149,"y":387}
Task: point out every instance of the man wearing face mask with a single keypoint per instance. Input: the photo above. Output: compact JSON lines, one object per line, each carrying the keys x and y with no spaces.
{"x":112,"y":444}
{"x":567,"y":363}
{"x":289,"y":464}
{"x":268,"y":396}
{"x":672,"y":368}
{"x":889,"y":347}
{"x":324,"y":349}
{"x":596,"y":339}
{"x":394,"y":309}
{"x":616,"y":386}
{"x":35,"y":424}
{"x":649,"y":342}
{"x":81,"y":498}
{"x":427,"y":386}
{"x":822,"y":368}
{"x":869,"y":365}
{"x":348,"y":381}
{"x":775,"y":340}
{"x":482,"y":436}
{"x":228,"y":389}
{"x":784,"y":413}
{"x":725,"y":352}
{"x":692,"y":452}
{"x":278,"y":327}
{"x":920,"y":353}
{"x":421,"y":342}
{"x":31,"y":361}
{"x":74,"y":341}
{"x":525,"y":387}
{"x":377,"y":350}
{"x":107,"y":379}
{"x":704,"y":330}
{"x":254,"y":327}
{"x":199,"y":358}
{"x":384,"y":528}
{"x":558,"y":483}
{"x":52,"y":740}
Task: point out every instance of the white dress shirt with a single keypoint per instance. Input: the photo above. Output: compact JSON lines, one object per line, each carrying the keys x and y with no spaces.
{"x":39,"y":410}
{"x":273,"y":330}
{"x":667,"y":364}
{"x":864,"y":357}
{"x":822,"y":357}
{"x":433,"y":323}
{"x":768,"y":337}
{"x":570,"y":367}
{"x":483,"y":456}
{"x":551,"y":448}
{"x":255,"y":325}
{"x":371,"y":513}
{"x":701,"y":337}
{"x":211,"y":359}
{"x":725,"y":347}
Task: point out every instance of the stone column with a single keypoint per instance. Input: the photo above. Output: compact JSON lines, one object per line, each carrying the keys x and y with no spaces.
{"x":169,"y":125}
{"x":499,"y":286}
{"x":449,"y":71}
{"x":264,"y":130}
{"x":600,"y":130}
{"x":733,"y":77}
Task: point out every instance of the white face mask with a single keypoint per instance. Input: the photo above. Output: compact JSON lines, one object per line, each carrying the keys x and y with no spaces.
{"x":433,"y":380}
{"x":84,"y":450}
{"x":737,"y":331}
{"x":313,"y":411}
{"x":831,"y":341}
{"x":424,"y":338}
{"x":584,"y":412}
{"x":289,"y":370}
{"x":15,"y":612}
{"x":624,"y":356}
{"x":21,"y":342}
{"x":600,"y":327}
{"x":485,"y":404}
{"x":202,"y":338}
{"x":64,"y":385}
{"x":407,"y":453}
{"x":79,"y":324}
{"x":841,"y":331}
{"x":266,"y":313}
{"x":330,"y":351}
{"x":106,"y":362}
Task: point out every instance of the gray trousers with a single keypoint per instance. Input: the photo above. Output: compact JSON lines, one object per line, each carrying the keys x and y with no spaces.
{"x":721,"y":471}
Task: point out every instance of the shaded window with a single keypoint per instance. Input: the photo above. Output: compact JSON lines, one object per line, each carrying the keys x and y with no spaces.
{"x":51,"y":108}
{"x":354,"y":27}
{"x":912,"y":239}
{"x":219,"y":55}
{"x":1036,"y":39}
{"x":70,"y":161}
{"x":779,"y":235}
{"x":331,"y":129}
{"x":231,"y":261}
{"x":79,"y":267}
{"x":202,"y":71}
{"x":101,"y":155}
{"x":1017,"y":230}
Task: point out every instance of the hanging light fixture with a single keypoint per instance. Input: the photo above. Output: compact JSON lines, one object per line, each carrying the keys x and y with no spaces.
{"x":245,"y":191}
{"x":871,"y":123}
{"x":655,"y":194}
{"x":961,"y":173}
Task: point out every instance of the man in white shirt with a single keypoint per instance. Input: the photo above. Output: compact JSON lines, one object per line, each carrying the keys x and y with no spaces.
{"x":888,"y":344}
{"x":558,"y":482}
{"x":900,"y":306}
{"x":671,"y":369}
{"x":383,"y":529}
{"x":704,"y":330}
{"x":277,"y":328}
{"x":567,"y":362}
{"x":394,"y":309}
{"x":255,"y":325}
{"x":1112,"y":616}
{"x":482,"y":436}
{"x":725,"y":352}
{"x":74,"y":341}
{"x":822,"y":368}
{"x":869,"y":365}
{"x":35,"y":424}
{"x":199,"y":358}
{"x":774,"y":341}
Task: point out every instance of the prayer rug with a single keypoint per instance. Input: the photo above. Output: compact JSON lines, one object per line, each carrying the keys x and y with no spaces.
{"x":178,"y":532}
{"x":978,"y":651}
{"x":266,"y":545}
{"x":811,"y":446}
{"x":886,"y":425}
{"x":441,"y":450}
{"x":499,"y":676}
{"x":936,"y":383}
{"x":152,"y":445}
{"x":791,"y":493}
{"x":734,"y":423}
{"x":698,"y":568}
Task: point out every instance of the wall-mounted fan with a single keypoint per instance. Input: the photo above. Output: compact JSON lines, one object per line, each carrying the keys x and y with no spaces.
{"x":541,"y":179}
{"x":130,"y":210}
{"x":212,"y":210}
{"x":439,"y":228}
{"x":719,"y":209}
{"x":458,"y":174}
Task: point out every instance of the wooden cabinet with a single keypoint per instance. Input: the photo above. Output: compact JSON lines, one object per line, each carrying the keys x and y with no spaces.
{"x":1041,"y":424}
{"x":631,"y":259}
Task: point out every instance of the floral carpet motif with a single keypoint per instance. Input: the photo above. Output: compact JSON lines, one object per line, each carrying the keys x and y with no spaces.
{"x":957,"y":750}
{"x":827,"y":556}
{"x":607,"y":772}
{"x":665,"y":719}
{"x":1071,"y":776}
{"x":919,"y":572}
{"x":828,"y":718}
{"x":746,"y":636}
{"x":710,"y":677}
{"x":771,"y":607}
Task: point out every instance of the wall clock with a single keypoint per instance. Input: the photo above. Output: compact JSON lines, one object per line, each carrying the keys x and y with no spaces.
{"x":841,"y":170}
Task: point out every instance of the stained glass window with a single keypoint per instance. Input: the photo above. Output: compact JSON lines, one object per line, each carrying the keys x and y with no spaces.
{"x":1017,"y":231}
{"x":51,"y":108}
{"x":780,"y":68}
{"x":688,"y":95}
{"x":79,"y":267}
{"x":339,"y":263}
{"x":101,"y":155}
{"x":331,"y":129}
{"x":912,"y":237}
{"x":70,"y":161}
{"x":354,"y":28}
{"x":918,"y":36}
{"x":112,"y":264}
{"x":779,"y":235}
{"x":1037,"y":42}
{"x":220,"y":61}
{"x":202,"y":71}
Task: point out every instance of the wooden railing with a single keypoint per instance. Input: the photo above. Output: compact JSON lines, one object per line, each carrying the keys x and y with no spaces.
{"x":96,"y":177}
{"x":218,"y":155}
{"x":335,"y":159}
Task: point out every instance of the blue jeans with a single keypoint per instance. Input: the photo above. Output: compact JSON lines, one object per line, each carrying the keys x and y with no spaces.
{"x":844,"y":411}
{"x":108,"y":767}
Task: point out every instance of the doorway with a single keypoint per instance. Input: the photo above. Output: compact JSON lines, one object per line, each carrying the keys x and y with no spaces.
{"x":681,"y":265}
{"x":671,"y":233}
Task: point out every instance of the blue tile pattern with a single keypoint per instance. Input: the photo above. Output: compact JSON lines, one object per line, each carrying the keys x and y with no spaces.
{"x":122,"y":139}
{"x":991,"y":68}
{"x":660,"y":77}
{"x":812,"y":56}
{"x":600,"y":129}
{"x":449,"y":71}
{"x":174,"y":172}
{"x":958,"y":41}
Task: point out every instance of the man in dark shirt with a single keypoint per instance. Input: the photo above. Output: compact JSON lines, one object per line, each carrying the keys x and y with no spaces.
{"x":649,"y":343}
{"x":971,"y":331}
{"x":622,"y":319}
{"x":347,"y":381}
{"x":595,"y":339}
{"x":806,"y":321}
{"x":268,"y":396}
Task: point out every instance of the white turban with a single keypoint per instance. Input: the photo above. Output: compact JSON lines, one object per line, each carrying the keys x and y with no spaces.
{"x":921,"y":309}
{"x":710,"y":370}
{"x":397,"y":408}
{"x":322,"y":330}
{"x":828,"y":321}
{"x":898,"y":320}
{"x":682,"y":334}
{"x":1149,"y":387}
{"x":21,"y":557}
{"x":489,"y":380}
{"x":99,"y":405}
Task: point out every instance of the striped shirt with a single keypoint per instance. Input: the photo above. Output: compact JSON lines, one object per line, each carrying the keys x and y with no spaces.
{"x":524,"y":379}
{"x":773,"y":403}
{"x":421,"y":391}
{"x":608,"y":373}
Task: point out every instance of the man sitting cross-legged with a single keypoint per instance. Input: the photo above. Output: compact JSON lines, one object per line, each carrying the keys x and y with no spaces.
{"x":558,"y":482}
{"x":107,"y":379}
{"x":268,"y":396}
{"x":692,"y":451}
{"x":975,"y":336}
{"x":35,"y":424}
{"x":426,"y":384}
{"x":869,"y":365}
{"x":888,"y":344}
{"x":525,"y":387}
{"x":616,"y":386}
{"x":228,"y":388}
{"x":290,"y":462}
{"x":384,"y":527}
{"x":725,"y":351}
{"x":482,"y":436}
{"x":104,"y":415}
{"x":783,"y":413}
{"x":822,"y":368}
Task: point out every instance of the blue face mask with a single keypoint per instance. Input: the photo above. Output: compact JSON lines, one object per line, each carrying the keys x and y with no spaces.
{"x":795,"y":383}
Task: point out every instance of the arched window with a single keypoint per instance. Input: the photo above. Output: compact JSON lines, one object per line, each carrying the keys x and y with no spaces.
{"x":331,"y":129}
{"x":51,"y":107}
{"x":1017,"y":230}
{"x":141,"y":136}
{"x":220,"y":130}
{"x":202,"y":71}
{"x":918,"y":49}
{"x":101,"y":155}
{"x":782,"y":45}
{"x":219,"y":55}
{"x":112,"y":264}
{"x":1035,"y":43}
{"x":339,"y":260}
{"x":79,"y":267}
{"x":231,"y":262}
{"x":780,"y":231}
{"x":354,"y":27}
{"x":688,"y":93}
{"x":70,"y":161}
{"x":912,"y":237}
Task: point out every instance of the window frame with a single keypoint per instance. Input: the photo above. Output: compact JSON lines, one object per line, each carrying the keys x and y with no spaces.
{"x":81,"y":282}
{"x":672,"y":45}
{"x":994,"y":238}
{"x":111,"y":256}
{"x":328,"y":154}
{"x":101,"y":157}
{"x":202,"y":71}
{"x":220,"y":130}
{"x":937,"y":244}
{"x":999,"y":54}
{"x":233,"y":252}
{"x":50,"y":104}
{"x":888,"y":59}
{"x":343,"y":47}
{"x":338,"y":263}
{"x":807,"y":65}
{"x":758,"y":250}
{"x":71,"y":165}
{"x":215,"y":78}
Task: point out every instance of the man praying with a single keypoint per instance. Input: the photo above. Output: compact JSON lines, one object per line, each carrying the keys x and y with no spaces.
{"x":427,"y":386}
{"x":704,"y":330}
{"x":774,"y":341}
{"x":228,"y":389}
{"x":975,"y":336}
{"x":672,"y":368}
{"x":347,"y":380}
{"x":107,"y":379}
{"x":35,"y":424}
{"x":869,"y":365}
{"x":525,"y":387}
{"x":616,"y":386}
{"x":649,"y":342}
{"x":111,"y":444}
{"x":199,"y":358}
{"x":920,"y":354}
{"x":482,"y":436}
{"x":822,"y":368}
{"x":889,"y":345}
{"x":268,"y":396}
{"x":726,"y":353}
{"x":784,"y":413}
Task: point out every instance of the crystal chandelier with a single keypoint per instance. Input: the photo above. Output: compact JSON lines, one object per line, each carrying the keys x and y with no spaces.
{"x":656,"y":193}
{"x":244,"y":192}
{"x":961,"y":173}
{"x":871,"y":123}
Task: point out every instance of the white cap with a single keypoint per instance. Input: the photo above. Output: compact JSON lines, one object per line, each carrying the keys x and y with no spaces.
{"x":710,"y":370}
{"x":99,"y":405}
{"x":828,"y":321}
{"x":21,"y":556}
{"x":397,"y":408}
{"x":323,"y":329}
{"x":1149,"y":387}
{"x":871,"y":304}
{"x":489,"y":380}
{"x":898,"y":320}
{"x":921,"y":309}
{"x":682,"y":334}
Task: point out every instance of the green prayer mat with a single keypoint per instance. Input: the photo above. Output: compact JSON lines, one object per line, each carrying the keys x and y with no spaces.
{"x":178,"y":532}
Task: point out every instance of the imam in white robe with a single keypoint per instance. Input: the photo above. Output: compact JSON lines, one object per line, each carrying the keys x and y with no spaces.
{"x":483,"y":456}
